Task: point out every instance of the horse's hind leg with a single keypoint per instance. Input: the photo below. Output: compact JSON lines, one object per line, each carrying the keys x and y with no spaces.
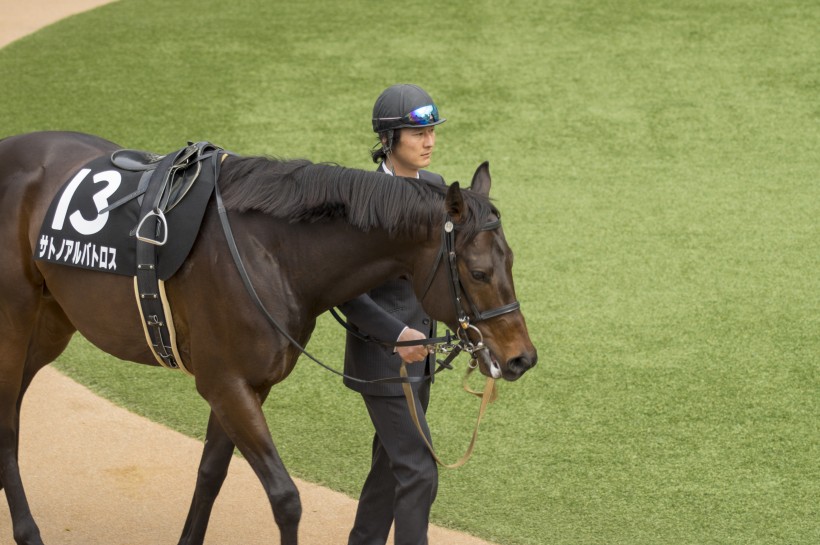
{"x":15,"y":335}
{"x":31,"y":336}
{"x":216,"y":457}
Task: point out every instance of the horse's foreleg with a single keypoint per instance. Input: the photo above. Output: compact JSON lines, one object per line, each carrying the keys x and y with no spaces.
{"x":239,"y":410}
{"x":216,"y":457}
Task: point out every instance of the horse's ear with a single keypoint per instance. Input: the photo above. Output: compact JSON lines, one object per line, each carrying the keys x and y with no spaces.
{"x":481,"y":179}
{"x":454,"y":202}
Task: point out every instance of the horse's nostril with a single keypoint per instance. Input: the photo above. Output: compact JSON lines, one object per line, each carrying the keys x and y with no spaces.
{"x":522,"y":363}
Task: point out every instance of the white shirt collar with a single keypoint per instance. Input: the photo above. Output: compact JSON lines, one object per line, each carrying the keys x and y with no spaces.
{"x":388,"y":171}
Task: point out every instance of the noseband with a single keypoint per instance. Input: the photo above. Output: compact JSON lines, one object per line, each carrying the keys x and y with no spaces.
{"x":458,"y":294}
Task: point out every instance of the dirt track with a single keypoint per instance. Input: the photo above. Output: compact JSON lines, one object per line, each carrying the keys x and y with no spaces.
{"x":96,"y":474}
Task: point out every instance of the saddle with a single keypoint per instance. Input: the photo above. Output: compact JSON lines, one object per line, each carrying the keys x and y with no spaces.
{"x":135,"y":160}
{"x":165,"y":182}
{"x":176,"y":175}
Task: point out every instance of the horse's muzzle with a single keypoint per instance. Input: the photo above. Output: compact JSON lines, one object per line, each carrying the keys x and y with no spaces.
{"x":519,"y":365}
{"x":513,"y":369}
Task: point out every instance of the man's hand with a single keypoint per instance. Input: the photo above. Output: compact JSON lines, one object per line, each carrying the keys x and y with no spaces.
{"x":415,"y":353}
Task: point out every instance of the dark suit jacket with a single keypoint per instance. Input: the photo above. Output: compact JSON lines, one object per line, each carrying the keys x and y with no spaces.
{"x":383,"y":313}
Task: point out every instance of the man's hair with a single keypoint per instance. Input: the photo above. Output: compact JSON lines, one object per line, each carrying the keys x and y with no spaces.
{"x":378,"y":153}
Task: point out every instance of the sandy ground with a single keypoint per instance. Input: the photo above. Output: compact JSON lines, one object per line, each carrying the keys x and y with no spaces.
{"x":96,"y":474}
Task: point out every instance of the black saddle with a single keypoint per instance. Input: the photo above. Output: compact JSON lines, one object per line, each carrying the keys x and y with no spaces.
{"x":135,"y":160}
{"x":170,"y":175}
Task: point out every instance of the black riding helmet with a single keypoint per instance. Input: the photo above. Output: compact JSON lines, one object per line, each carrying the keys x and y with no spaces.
{"x":401,"y":106}
{"x":404,"y":105}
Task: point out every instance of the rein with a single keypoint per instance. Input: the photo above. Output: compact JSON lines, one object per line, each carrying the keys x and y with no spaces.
{"x":443,"y":344}
{"x":489,"y":395}
{"x":243,"y":273}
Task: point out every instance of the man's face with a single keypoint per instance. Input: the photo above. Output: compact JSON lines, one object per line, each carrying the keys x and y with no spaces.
{"x":414,"y":149}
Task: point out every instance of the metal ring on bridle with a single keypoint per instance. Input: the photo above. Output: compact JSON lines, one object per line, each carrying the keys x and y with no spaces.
{"x":469,"y":346}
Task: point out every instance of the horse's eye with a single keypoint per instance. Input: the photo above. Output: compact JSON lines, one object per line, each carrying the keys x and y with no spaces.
{"x":480,"y":276}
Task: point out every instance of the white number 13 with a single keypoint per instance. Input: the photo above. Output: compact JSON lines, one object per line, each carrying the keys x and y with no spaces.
{"x":111,"y":178}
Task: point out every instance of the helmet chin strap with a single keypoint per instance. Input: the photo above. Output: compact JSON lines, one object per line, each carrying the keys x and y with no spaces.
{"x":387,"y":143}
{"x":389,"y":163}
{"x":387,"y":148}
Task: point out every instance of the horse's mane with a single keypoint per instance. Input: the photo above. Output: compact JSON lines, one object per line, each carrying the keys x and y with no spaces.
{"x":301,"y":191}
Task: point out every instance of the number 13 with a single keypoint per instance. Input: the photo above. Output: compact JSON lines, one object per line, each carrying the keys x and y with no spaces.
{"x":111,"y":178}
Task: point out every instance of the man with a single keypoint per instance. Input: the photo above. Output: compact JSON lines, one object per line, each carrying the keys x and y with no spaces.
{"x":403,"y":478}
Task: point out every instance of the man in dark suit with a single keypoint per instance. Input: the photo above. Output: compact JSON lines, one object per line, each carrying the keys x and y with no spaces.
{"x":403,"y":478}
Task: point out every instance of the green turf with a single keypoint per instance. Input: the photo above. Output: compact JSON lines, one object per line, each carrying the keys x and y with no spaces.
{"x":657,"y":166}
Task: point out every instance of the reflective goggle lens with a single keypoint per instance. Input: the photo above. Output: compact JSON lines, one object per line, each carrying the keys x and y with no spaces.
{"x":422,"y":116}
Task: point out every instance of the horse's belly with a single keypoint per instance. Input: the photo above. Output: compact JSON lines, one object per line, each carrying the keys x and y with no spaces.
{"x":102,"y":307}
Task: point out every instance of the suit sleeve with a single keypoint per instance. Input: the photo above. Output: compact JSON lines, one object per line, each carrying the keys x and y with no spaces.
{"x":371,"y":319}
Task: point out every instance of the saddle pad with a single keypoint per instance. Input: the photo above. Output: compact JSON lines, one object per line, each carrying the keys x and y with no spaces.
{"x":75,"y":233}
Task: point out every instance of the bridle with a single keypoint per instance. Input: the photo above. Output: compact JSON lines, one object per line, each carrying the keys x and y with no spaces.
{"x":458,"y":294}
{"x":476,"y":349}
{"x":445,"y":344}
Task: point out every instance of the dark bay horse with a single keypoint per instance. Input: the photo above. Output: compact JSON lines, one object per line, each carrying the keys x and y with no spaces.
{"x":311,"y":235}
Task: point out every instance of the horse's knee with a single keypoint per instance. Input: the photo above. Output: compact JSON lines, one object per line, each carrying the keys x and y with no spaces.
{"x":287,"y":508}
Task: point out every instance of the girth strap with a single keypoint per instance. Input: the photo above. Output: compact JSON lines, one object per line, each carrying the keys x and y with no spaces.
{"x":159,"y":328}
{"x":153,"y":228}
{"x":160,"y":195}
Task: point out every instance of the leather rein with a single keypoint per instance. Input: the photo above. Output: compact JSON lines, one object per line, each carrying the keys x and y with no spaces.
{"x":443,"y":344}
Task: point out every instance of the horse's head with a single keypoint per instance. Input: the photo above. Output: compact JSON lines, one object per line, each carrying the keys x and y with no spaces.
{"x":469,"y":285}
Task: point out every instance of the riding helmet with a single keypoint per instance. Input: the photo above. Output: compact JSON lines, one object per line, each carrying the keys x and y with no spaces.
{"x":404,"y":105}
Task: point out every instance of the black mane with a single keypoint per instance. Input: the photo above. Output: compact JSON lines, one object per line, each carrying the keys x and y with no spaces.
{"x":299,"y":190}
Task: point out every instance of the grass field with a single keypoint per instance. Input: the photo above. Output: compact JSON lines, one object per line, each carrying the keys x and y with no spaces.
{"x":657,"y":165}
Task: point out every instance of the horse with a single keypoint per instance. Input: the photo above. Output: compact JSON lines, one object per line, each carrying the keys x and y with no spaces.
{"x":312,"y":236}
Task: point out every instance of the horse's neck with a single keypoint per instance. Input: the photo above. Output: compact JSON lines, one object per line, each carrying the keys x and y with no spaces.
{"x":344,"y":262}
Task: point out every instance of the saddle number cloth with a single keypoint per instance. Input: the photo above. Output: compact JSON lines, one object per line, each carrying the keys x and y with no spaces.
{"x":78,"y":230}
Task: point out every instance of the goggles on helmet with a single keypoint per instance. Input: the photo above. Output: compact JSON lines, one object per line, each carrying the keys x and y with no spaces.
{"x":420,"y":117}
{"x":425,"y":115}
